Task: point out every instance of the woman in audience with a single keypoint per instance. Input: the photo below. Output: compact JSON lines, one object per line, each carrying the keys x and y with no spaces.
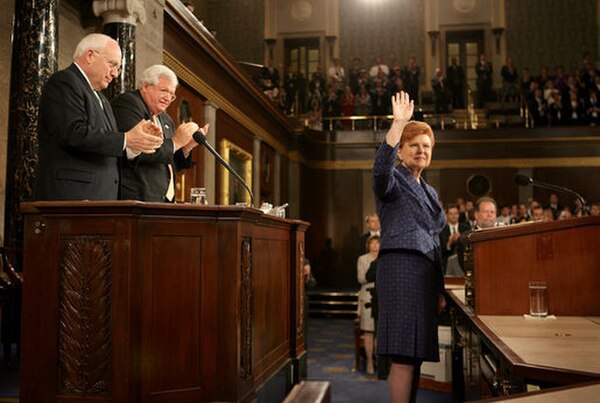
{"x":410,"y":282}
{"x":362,"y":106}
{"x":367,"y":323}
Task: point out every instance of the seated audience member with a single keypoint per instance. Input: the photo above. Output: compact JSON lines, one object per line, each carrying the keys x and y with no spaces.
{"x":485,"y":217}
{"x":367,"y":323}
{"x":565,"y":214}
{"x":347,"y":101}
{"x":483,"y":69}
{"x":151,"y":177}
{"x":380,"y":100}
{"x":379,"y":66}
{"x":510,"y":80}
{"x":410,"y":77}
{"x":451,"y":233}
{"x":373,"y":228}
{"x":309,"y":279}
{"x":574,"y":109}
{"x":337,"y":72}
{"x":554,"y":205}
{"x":580,"y":210}
{"x":514,"y":213}
{"x":538,"y":109}
{"x":441,"y":93}
{"x":592,"y":108}
{"x":548,"y":215}
{"x":556,"y":113}
{"x":595,"y":209}
{"x":331,"y":104}
{"x":315,"y":116}
{"x":455,"y":75}
{"x":525,"y":82}
{"x":522,"y":215}
{"x":354,"y":73}
{"x":504,"y":218}
{"x":538,"y":214}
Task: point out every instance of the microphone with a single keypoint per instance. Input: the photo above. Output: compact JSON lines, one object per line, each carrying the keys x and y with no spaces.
{"x":201,"y":139}
{"x":523,"y":180}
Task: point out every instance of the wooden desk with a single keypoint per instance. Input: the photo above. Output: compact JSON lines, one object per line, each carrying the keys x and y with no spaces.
{"x":579,"y":393}
{"x":500,"y":355}
{"x":153,"y":302}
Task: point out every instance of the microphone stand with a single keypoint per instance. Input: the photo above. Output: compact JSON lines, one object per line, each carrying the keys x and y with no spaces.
{"x":200,"y":139}
{"x":557,"y":188}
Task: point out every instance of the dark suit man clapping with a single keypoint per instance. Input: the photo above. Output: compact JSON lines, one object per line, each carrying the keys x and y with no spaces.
{"x":79,"y":144}
{"x":151,"y":177}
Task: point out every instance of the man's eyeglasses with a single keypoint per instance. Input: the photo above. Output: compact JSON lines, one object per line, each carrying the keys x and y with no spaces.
{"x":167,"y":94}
{"x":114,"y":66}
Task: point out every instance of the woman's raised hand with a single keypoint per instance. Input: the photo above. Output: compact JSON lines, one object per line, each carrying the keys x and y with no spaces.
{"x":402,"y":107}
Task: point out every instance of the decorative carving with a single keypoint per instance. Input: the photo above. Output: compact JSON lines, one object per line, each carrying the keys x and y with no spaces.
{"x":246,"y":309}
{"x":84,"y":339}
{"x":301,"y":289}
{"x":120,"y":11}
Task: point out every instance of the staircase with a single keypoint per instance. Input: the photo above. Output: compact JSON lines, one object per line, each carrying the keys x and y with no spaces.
{"x":338,"y":304}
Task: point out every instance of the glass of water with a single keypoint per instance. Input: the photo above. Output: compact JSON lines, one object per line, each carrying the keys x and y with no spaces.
{"x":538,"y":298}
{"x":198,"y":196}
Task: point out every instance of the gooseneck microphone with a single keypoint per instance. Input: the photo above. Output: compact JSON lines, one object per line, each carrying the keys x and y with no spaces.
{"x":523,"y":180}
{"x":201,"y":139}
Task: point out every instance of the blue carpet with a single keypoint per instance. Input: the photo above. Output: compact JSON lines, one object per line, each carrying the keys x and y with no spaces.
{"x":331,"y":358}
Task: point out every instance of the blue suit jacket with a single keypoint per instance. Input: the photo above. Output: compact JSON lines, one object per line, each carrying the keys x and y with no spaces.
{"x":411,"y":216}
{"x":79,"y":144}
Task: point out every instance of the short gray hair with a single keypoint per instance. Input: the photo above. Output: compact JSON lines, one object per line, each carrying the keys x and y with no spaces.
{"x":152,"y":74}
{"x":92,"y":41}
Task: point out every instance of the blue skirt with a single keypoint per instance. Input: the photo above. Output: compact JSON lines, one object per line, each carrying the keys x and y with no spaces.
{"x":408,"y":305}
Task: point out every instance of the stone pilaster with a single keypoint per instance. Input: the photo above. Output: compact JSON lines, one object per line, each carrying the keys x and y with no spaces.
{"x":35,"y":50}
{"x":120,"y":19}
{"x":255,"y":185}
{"x":210,"y":171}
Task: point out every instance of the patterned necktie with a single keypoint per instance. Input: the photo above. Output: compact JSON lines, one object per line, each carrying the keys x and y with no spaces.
{"x":171,"y":187}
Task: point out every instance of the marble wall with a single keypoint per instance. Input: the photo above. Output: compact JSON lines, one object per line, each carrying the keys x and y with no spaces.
{"x":239,"y":25}
{"x":6,"y":18}
{"x":390,"y":29}
{"x":551,"y":33}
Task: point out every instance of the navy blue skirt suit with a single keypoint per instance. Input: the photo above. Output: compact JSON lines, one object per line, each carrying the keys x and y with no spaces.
{"x":409,"y":271}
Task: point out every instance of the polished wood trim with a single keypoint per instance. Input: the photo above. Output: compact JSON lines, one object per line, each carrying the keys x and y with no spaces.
{"x":202,"y":87}
{"x":559,"y":162}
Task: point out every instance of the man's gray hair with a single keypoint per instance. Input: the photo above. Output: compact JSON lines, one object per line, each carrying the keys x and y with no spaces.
{"x":92,"y":41}
{"x":153,"y":73}
{"x":485,"y":199}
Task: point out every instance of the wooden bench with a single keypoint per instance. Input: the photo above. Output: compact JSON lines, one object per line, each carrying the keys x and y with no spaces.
{"x":310,"y":392}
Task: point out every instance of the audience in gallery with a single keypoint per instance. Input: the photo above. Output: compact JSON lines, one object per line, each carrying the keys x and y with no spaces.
{"x":558,"y":98}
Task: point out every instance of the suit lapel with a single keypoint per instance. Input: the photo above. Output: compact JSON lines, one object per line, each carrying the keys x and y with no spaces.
{"x":416,"y":187}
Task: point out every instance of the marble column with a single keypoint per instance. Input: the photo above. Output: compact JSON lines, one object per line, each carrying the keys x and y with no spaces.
{"x":119,"y":22}
{"x":277,"y":180}
{"x":35,"y":54}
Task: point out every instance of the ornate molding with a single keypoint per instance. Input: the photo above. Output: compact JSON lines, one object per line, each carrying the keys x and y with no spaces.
{"x":120,"y":11}
{"x":84,"y":340}
{"x":302,"y":291}
{"x":246,"y":309}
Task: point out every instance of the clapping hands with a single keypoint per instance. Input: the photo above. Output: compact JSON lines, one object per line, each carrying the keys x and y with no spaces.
{"x":145,"y":137}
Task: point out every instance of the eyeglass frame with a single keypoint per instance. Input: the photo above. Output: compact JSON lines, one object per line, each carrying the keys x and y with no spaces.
{"x":113,"y":67}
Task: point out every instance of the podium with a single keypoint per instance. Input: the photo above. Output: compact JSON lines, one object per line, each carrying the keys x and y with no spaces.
{"x":150,"y":302}
{"x":497,"y":351}
{"x":565,"y":254}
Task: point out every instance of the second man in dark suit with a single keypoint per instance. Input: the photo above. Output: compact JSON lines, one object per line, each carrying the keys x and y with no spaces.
{"x":151,"y":177}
